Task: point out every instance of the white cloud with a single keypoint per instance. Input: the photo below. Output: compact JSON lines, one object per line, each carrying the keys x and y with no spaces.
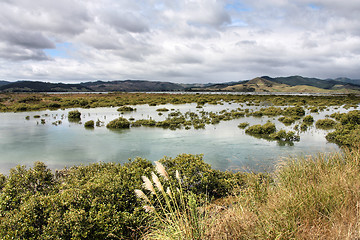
{"x":178,"y":40}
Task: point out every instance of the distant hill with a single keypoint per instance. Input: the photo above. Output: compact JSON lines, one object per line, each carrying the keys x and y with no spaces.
{"x":285,"y":84}
{"x":30,"y":86}
{"x":2,"y":83}
{"x":259,"y":84}
{"x":132,"y":86}
{"x":348,"y":80}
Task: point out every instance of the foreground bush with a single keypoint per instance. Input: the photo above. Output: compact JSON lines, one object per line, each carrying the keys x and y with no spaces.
{"x":95,"y":201}
{"x":85,"y":202}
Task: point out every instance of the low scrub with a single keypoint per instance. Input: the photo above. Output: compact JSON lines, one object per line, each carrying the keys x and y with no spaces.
{"x":118,"y":123}
{"x":243,"y":125}
{"x":266,"y":129}
{"x":75,"y":114}
{"x":126,"y":109}
{"x":89,"y":124}
{"x":348,"y":131}
{"x":326,"y":123}
{"x":287,"y":120}
{"x":98,"y":201}
{"x":308,"y":120}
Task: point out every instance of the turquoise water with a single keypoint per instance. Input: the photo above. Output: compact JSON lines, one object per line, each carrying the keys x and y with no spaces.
{"x":224,"y":145}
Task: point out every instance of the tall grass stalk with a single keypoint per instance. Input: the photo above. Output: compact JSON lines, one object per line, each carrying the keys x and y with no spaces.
{"x":176,"y":214}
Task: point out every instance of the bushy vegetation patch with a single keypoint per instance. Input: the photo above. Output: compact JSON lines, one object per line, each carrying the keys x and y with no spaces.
{"x":97,"y":201}
{"x":118,"y":123}
{"x":89,"y":124}
{"x":126,"y":109}
{"x":326,"y":123}
{"x":287,"y":120}
{"x":308,"y":119}
{"x":266,"y":129}
{"x":162,"y":110}
{"x":347,"y":132}
{"x":75,"y":114}
{"x":284,"y":136}
{"x":243,"y":125}
{"x":268,"y":132}
{"x":294,"y":111}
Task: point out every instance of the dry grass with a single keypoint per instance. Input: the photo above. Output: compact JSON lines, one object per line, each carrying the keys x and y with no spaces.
{"x":310,"y":198}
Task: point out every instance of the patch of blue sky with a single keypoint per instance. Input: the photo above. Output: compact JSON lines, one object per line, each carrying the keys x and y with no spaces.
{"x":61,"y":51}
{"x":313,"y":6}
{"x":237,"y":23}
{"x":237,"y":6}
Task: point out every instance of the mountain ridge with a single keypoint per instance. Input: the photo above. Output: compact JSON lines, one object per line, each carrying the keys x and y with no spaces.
{"x":258,"y":84}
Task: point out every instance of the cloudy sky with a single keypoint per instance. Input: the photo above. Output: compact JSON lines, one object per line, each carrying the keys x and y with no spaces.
{"x":178,"y":40}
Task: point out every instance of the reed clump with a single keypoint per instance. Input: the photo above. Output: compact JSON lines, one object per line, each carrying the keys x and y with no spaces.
{"x":175,"y":212}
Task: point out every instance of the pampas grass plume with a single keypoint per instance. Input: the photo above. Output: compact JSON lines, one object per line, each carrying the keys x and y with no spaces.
{"x":161,"y":170}
{"x":140,"y":194}
{"x":157,"y":182}
{"x":148,"y":185}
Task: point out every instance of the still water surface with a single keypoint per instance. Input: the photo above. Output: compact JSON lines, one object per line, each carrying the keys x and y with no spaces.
{"x":224,"y":145}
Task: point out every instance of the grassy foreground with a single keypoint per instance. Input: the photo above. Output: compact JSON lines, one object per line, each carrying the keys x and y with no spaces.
{"x":184,"y":198}
{"x":307,"y":198}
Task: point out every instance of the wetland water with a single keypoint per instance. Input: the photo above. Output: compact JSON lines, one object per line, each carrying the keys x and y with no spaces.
{"x":224,"y":145}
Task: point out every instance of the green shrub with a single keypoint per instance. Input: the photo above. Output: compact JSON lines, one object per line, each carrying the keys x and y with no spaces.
{"x":303,"y":127}
{"x":351,"y":118}
{"x":162,"y":110}
{"x":287,"y":120}
{"x":118,"y":123}
{"x":200,"y":178}
{"x":282,"y":135}
{"x":294,"y":111}
{"x":144,"y":122}
{"x":126,"y":109}
{"x":243,"y":125}
{"x":326,"y":123}
{"x":95,"y":201}
{"x":89,"y":124}
{"x":75,"y":114}
{"x":345,"y":135}
{"x":308,"y":119}
{"x":54,"y":105}
{"x":259,"y":129}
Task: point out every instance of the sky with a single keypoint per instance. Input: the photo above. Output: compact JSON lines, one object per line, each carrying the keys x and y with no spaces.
{"x":182,"y":41}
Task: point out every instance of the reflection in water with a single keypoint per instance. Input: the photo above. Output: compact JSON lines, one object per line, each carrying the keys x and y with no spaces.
{"x":224,"y":145}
